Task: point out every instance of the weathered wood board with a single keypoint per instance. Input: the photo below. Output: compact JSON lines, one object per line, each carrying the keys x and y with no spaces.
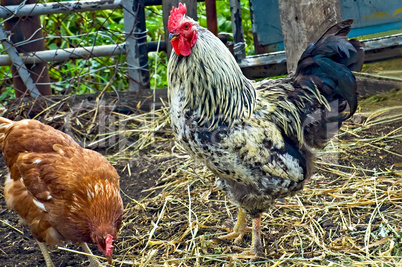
{"x":370,"y":17}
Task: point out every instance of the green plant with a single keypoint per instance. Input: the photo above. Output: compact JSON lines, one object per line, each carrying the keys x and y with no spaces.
{"x":7,"y":93}
{"x":63,"y":31}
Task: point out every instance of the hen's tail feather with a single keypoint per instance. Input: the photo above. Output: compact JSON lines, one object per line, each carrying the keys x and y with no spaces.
{"x":326,"y":66}
{"x":5,"y":125}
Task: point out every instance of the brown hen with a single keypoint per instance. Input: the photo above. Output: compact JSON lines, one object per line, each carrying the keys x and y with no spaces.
{"x":63,"y":191}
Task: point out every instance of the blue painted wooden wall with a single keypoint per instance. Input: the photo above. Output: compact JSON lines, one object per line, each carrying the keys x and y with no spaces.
{"x":267,"y":23}
{"x":371,"y":16}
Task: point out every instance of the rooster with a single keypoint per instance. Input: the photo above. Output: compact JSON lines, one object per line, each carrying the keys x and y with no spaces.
{"x":256,"y":137}
{"x":63,"y":191}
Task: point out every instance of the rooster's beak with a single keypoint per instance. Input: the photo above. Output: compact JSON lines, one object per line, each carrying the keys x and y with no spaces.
{"x":173,"y":35}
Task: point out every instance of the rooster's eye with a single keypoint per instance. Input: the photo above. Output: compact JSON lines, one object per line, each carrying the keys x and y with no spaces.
{"x":186,"y":26}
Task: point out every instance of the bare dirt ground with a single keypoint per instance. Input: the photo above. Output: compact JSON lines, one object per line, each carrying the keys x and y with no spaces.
{"x":348,"y":213}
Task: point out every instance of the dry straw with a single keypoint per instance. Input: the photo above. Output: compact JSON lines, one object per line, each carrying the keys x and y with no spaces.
{"x":349,"y":213}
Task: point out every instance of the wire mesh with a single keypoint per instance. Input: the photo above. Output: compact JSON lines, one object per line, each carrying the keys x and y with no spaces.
{"x":80,"y":35}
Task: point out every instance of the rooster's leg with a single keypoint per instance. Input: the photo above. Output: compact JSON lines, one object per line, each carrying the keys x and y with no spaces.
{"x":256,"y":237}
{"x":93,"y":261}
{"x":45,"y":254}
{"x":240,"y":228}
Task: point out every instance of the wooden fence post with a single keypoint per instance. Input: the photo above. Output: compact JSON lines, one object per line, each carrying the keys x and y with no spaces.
{"x":135,"y":30}
{"x":212,"y":23}
{"x":303,"y":22}
{"x":167,"y":7}
{"x":28,"y":29}
{"x":239,"y":48}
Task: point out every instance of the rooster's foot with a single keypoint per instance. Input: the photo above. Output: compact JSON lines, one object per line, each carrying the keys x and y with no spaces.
{"x":247,"y":253}
{"x":237,"y":236}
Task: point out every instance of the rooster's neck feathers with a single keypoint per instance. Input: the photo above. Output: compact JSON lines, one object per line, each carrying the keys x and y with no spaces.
{"x":214,"y":86}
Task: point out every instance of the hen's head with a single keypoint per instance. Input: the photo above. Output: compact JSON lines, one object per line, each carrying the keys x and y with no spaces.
{"x":182,"y":30}
{"x":105,"y":244}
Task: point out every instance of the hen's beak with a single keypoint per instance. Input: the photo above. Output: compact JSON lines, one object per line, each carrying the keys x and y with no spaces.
{"x":109,"y":259}
{"x":173,"y":35}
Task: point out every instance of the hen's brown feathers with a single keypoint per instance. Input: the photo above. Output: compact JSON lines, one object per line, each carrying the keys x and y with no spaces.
{"x":63,"y":191}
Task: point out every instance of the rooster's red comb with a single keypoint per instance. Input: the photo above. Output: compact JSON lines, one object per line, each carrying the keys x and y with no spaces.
{"x":175,"y":16}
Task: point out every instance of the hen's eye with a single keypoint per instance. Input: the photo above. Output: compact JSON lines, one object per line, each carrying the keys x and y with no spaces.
{"x":186,"y":26}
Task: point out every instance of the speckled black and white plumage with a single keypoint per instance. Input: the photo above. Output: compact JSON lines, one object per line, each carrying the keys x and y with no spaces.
{"x":255,"y":162}
{"x":257,"y":137}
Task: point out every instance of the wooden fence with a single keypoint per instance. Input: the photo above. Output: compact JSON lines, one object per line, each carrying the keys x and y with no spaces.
{"x":136,"y":47}
{"x":137,"y":58}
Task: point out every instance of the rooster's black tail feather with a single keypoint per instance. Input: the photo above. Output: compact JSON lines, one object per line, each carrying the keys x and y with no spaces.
{"x":326,"y":66}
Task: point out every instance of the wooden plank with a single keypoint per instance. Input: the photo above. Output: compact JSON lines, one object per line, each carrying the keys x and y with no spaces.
{"x":267,"y":30}
{"x":383,"y":48}
{"x":372,"y":16}
{"x":273,"y":64}
{"x":263,"y":66}
{"x":303,"y":22}
{"x":368,"y":86}
{"x":23,"y":29}
{"x":167,"y":7}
